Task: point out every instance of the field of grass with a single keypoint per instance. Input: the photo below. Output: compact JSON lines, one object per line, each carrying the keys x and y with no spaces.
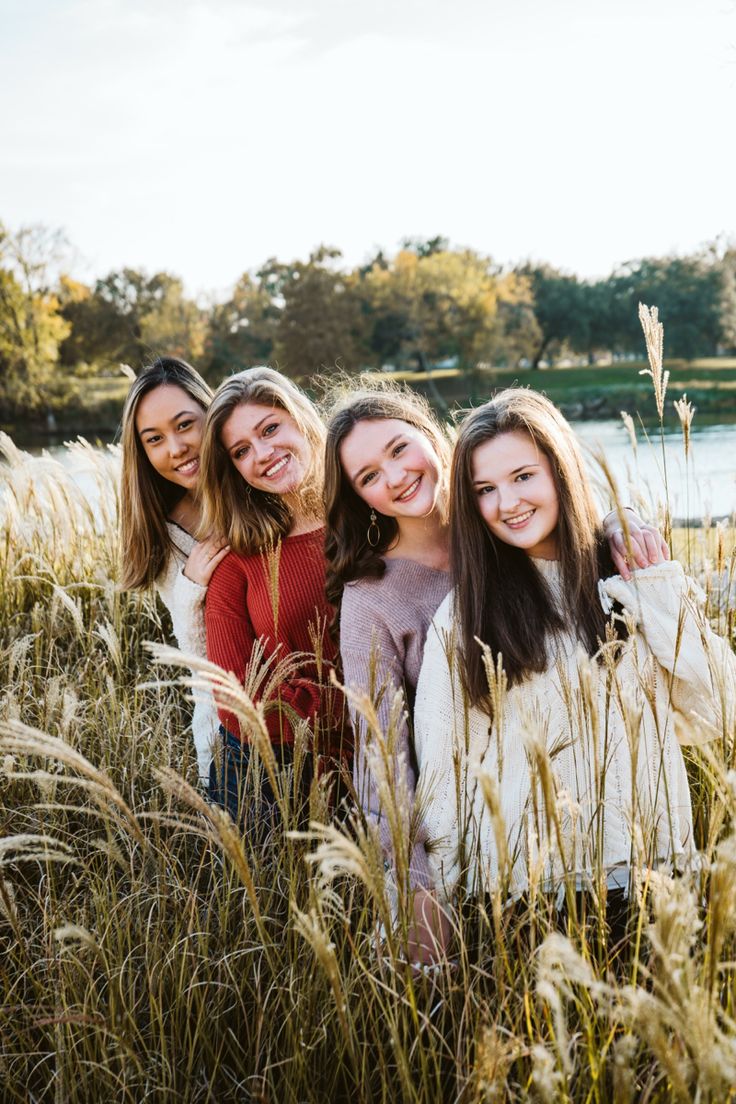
{"x":149,"y":952}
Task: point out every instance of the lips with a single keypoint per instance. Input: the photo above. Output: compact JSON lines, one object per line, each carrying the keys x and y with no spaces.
{"x":276,"y":467}
{"x":520,"y":520}
{"x":410,"y":491}
{"x":189,"y":467}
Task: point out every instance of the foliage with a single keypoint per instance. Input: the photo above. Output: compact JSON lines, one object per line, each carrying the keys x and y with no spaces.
{"x":428,"y":304}
{"x":31,"y":323}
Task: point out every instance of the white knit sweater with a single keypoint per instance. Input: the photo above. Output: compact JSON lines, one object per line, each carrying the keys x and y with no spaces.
{"x":620,"y":789}
{"x":184,"y":600}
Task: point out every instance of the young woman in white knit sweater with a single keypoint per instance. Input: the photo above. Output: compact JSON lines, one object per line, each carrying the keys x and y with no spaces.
{"x":602,"y":675}
{"x":387,"y":548}
{"x":161,"y":436}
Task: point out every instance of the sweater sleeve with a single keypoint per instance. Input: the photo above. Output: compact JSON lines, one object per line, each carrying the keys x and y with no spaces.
{"x":230,"y":640}
{"x":668,"y":608}
{"x":373,"y":665}
{"x":184,"y":600}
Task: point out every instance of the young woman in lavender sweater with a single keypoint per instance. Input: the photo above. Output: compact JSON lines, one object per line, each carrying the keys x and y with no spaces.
{"x":162,"y":425}
{"x":387,"y":547}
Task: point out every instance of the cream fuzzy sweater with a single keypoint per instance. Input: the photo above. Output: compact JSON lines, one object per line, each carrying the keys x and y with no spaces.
{"x":619,"y":789}
{"x":184,"y":600}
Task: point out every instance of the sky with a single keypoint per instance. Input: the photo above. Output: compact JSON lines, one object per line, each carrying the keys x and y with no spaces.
{"x":202,"y":137}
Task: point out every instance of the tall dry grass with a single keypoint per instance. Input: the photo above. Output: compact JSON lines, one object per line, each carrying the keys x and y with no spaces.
{"x":149,"y":951}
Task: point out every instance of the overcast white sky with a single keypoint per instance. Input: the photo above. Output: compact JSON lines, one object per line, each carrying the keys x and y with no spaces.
{"x":203,"y":136}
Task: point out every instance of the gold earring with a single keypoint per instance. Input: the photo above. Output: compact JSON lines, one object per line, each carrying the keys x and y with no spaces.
{"x":373,"y":535}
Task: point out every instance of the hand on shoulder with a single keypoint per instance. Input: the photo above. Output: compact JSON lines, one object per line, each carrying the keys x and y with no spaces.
{"x":203,"y":559}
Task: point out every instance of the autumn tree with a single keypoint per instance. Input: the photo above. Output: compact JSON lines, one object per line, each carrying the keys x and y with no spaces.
{"x":31,"y":325}
{"x":432,"y":302}
{"x":131,"y":317}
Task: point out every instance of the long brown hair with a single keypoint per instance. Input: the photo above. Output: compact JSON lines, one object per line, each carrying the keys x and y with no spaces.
{"x":501,"y":598}
{"x":249,"y":518}
{"x":348,"y":552}
{"x":146,"y":498}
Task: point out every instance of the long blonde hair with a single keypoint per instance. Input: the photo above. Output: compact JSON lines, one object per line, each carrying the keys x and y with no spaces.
{"x":146,"y":498}
{"x":249,"y":518}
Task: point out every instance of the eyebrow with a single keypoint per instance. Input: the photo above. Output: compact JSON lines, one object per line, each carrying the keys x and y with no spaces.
{"x":176,"y":418}
{"x":256,"y":427}
{"x":386,"y":447}
{"x":514,"y":472}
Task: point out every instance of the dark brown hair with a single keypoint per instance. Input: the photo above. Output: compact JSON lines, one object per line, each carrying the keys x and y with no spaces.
{"x":500,"y":596}
{"x":146,"y":498}
{"x":348,"y":552}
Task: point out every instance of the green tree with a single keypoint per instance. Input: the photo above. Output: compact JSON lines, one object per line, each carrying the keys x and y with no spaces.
{"x":560,"y":309}
{"x":689,"y":292}
{"x":242,"y":331}
{"x":321,"y":320}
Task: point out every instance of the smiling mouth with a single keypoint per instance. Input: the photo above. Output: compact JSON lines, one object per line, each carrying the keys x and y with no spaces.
{"x":520,"y":519}
{"x":410,"y":490}
{"x":189,"y":467}
{"x":276,"y":468}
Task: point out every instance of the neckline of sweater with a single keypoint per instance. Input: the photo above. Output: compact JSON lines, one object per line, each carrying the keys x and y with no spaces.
{"x":416,"y":564}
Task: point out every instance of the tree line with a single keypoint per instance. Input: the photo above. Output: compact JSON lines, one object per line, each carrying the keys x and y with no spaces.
{"x":426,"y":304}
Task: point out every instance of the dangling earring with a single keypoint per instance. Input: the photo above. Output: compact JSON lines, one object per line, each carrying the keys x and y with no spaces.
{"x":373,"y":535}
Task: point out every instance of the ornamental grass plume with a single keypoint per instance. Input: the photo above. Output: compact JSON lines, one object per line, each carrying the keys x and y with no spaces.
{"x":654,"y":338}
{"x":685,"y":412}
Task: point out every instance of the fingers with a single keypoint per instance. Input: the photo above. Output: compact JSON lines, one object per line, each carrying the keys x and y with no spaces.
{"x":618,"y":554}
{"x":214,"y":560}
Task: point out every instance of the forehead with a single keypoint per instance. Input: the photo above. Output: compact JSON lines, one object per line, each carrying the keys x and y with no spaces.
{"x":161,"y":405}
{"x":245,"y":417}
{"x":367,"y":439}
{"x":505,"y":453}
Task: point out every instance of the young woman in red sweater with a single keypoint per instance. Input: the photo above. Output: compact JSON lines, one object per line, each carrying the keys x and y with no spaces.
{"x":261,"y":489}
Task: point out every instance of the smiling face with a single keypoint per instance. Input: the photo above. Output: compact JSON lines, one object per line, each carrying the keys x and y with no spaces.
{"x":392,"y":466}
{"x":516,"y":493}
{"x":267,"y":447}
{"x":169,"y":426}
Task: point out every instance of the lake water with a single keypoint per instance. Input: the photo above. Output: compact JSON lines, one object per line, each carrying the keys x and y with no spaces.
{"x":706,"y":485}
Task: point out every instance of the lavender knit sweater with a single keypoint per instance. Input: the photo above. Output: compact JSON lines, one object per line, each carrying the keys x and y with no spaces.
{"x":389,"y":618}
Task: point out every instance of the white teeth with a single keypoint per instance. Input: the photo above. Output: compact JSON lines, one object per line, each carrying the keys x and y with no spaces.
{"x":519,"y":518}
{"x":409,"y":490}
{"x":276,"y":468}
{"x":188,"y":466}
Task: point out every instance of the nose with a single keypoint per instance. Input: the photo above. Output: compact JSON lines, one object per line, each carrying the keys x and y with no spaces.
{"x":177,"y":445}
{"x":508,"y":498}
{"x":263,"y":449}
{"x":395,"y":473}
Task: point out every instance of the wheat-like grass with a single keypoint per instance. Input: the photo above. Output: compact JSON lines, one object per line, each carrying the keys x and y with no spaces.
{"x":151,"y":951}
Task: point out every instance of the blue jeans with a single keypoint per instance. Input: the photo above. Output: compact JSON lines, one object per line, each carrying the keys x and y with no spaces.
{"x":232,"y":789}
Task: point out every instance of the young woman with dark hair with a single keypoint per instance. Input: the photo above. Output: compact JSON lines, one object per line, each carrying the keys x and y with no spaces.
{"x":541,"y":654}
{"x":161,"y":441}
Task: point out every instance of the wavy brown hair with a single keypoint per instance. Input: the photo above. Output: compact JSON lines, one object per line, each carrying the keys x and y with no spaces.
{"x":252,"y":519}
{"x":349,"y":555}
{"x":500,"y":596}
{"x":146,"y":498}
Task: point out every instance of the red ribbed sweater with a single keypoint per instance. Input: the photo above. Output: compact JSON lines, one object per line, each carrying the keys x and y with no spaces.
{"x":240,"y":611}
